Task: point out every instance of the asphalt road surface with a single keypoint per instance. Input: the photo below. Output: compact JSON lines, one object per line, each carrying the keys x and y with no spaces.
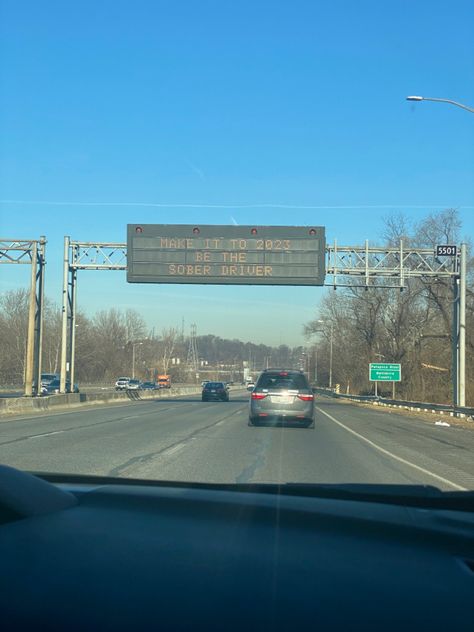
{"x":186,"y":440}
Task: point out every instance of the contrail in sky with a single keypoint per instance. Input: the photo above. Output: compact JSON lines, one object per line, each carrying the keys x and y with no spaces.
{"x":236,"y":206}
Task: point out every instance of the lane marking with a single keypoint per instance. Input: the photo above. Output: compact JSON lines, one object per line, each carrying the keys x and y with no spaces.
{"x":174,"y":449}
{"x":45,"y":434}
{"x":394,"y":456}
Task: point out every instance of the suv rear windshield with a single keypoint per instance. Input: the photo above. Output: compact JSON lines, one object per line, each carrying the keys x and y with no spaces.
{"x":282,"y":381}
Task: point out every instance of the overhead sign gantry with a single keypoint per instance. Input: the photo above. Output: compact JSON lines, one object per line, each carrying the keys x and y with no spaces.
{"x":294,"y":255}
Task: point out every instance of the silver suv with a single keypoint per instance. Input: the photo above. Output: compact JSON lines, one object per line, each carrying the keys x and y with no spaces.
{"x":282,"y":395}
{"x":122,"y":383}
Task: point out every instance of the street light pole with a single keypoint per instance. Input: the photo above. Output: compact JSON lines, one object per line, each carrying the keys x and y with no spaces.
{"x":134,"y":344}
{"x":331,"y":339}
{"x":459,"y":304}
{"x":459,"y":105}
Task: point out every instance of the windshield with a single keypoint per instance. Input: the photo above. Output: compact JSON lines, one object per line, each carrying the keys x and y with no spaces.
{"x":282,"y":381}
{"x":268,"y":200}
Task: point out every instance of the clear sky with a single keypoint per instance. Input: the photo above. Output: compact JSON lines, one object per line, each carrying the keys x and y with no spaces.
{"x":224,"y":112}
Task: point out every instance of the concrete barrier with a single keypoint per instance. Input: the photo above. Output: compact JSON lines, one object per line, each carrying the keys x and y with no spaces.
{"x":18,"y":405}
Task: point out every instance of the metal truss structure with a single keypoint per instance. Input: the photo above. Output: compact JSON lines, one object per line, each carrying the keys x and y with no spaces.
{"x":356,"y":266}
{"x":30,"y":252}
{"x":374,"y":267}
{"x":391,"y":266}
{"x":193,"y":358}
{"x":98,"y":256}
{"x":80,"y":255}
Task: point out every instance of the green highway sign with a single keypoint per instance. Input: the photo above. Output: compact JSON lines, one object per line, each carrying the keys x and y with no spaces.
{"x":385,"y":372}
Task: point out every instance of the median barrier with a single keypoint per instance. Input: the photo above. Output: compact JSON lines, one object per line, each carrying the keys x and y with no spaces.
{"x":17,"y":405}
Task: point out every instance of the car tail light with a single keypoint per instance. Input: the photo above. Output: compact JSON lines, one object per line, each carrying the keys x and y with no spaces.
{"x":258,"y":395}
{"x":306,"y":398}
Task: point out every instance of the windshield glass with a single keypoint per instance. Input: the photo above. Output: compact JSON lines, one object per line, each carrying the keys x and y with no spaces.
{"x":281,"y":381}
{"x":206,"y":196}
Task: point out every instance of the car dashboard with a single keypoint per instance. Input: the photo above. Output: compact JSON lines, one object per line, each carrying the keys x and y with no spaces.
{"x":84,"y":553}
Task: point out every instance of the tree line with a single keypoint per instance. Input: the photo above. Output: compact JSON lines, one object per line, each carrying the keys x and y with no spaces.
{"x":114,"y":342}
{"x":412,"y":327}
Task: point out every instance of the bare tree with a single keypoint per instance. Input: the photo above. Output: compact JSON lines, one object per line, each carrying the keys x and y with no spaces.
{"x":167,"y":345}
{"x":412,"y":327}
{"x":13,"y":334}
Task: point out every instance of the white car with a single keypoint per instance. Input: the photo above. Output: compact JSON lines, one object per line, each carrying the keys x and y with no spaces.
{"x":133,"y":385}
{"x":122,"y":383}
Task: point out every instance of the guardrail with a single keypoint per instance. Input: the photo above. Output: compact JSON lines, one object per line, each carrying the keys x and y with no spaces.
{"x":453,"y":411}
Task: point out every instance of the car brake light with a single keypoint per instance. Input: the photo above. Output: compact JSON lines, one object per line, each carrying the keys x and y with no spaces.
{"x":258,"y":395}
{"x":306,"y":398}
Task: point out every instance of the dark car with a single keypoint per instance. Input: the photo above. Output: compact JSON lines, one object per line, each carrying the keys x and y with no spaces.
{"x":215,"y":391}
{"x":53,"y":387}
{"x":282,"y":395}
{"x":148,"y":386}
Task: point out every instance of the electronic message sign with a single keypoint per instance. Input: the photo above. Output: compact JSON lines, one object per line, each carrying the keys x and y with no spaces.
{"x":226,"y":255}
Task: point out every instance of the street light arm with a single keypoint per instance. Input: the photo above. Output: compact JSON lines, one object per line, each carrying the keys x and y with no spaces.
{"x":459,"y":105}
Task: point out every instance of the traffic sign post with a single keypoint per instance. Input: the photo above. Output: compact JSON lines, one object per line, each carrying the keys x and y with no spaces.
{"x":385,"y":372}
{"x":226,"y":255}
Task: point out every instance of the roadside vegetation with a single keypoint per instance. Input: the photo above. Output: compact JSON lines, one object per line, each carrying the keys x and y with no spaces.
{"x":107,"y":342}
{"x":412,"y":327}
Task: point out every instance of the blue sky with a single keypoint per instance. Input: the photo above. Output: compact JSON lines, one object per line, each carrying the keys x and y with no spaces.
{"x":225,"y":107}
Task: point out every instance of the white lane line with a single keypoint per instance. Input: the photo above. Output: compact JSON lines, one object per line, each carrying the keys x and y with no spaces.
{"x":45,"y":434}
{"x":393,"y":456}
{"x":174,"y":449}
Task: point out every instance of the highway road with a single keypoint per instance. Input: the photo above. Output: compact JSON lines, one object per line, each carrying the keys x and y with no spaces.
{"x":185,"y":439}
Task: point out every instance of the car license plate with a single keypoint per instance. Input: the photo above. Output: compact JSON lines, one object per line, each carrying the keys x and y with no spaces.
{"x":282,"y":399}
{"x":212,"y":391}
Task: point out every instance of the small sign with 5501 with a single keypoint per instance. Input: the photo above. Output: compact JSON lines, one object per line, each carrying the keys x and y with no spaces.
{"x":446,"y":251}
